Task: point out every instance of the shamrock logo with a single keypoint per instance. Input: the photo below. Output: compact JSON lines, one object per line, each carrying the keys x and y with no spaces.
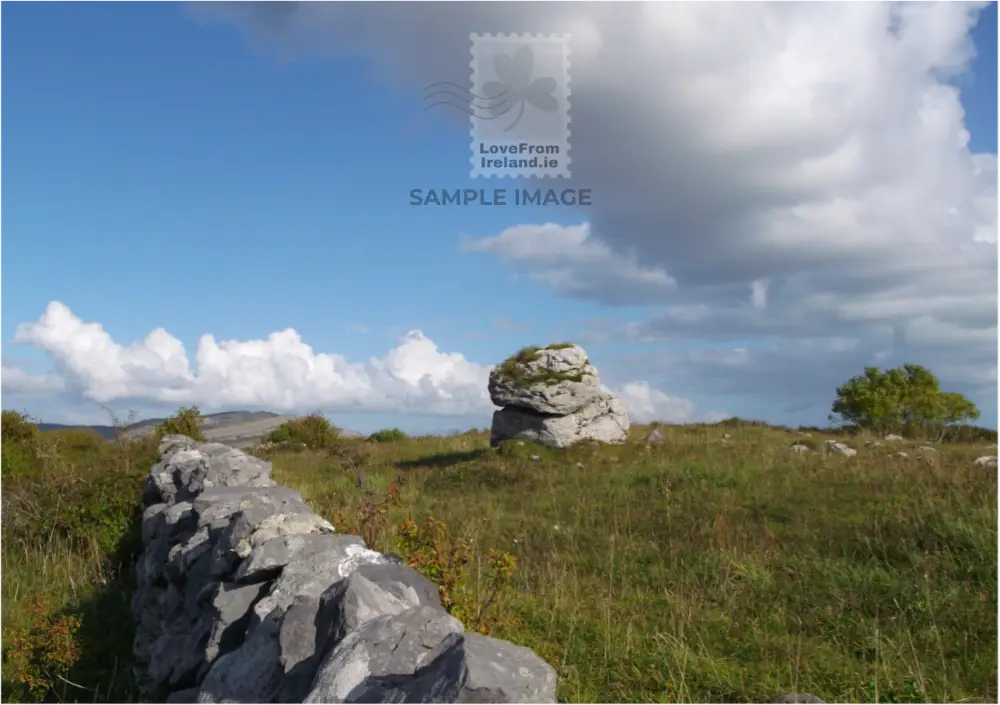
{"x":516,"y":87}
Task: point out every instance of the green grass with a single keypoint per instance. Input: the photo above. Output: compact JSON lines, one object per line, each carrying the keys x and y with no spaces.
{"x":70,"y":537}
{"x":697,"y":571}
{"x":690,"y":571}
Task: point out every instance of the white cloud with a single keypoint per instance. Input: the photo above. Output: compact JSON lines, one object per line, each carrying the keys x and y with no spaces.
{"x":573,"y":262}
{"x":817,"y":147}
{"x":648,"y":404}
{"x":16,"y":381}
{"x":280,"y":372}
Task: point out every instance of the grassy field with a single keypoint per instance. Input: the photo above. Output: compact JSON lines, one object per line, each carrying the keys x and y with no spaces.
{"x":699,"y":570}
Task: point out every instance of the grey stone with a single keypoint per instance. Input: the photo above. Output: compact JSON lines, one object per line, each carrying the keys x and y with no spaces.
{"x":252,"y":527}
{"x":655,"y":438}
{"x":231,"y":611}
{"x":605,"y":419}
{"x":370,"y":663}
{"x":501,"y":672}
{"x":799,"y":448}
{"x":403,"y":582}
{"x":244,"y":595}
{"x":986,"y":461}
{"x":548,"y":396}
{"x":249,"y":674}
{"x":312,"y":626}
{"x":421,"y":656}
{"x":188,"y":695}
{"x":186,"y":469}
{"x":840,"y":449}
{"x":177,"y":655}
{"x":268,"y":558}
{"x":216,"y":507}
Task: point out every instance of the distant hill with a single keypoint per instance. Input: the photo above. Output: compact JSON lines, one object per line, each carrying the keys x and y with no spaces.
{"x":240,"y":429}
{"x":106,"y":432}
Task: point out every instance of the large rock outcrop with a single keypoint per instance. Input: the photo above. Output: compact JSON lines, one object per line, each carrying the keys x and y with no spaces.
{"x":553,"y":396}
{"x":245,"y":595}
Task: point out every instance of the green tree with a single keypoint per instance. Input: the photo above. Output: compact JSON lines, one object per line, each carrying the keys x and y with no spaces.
{"x":186,"y":422}
{"x":905,"y":399}
{"x":313,"y":431}
{"x":952,"y":410}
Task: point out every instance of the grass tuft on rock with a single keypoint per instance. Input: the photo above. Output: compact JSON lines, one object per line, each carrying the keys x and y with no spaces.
{"x":514,"y":369}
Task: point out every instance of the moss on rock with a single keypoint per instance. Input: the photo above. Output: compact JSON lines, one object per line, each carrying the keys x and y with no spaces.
{"x":514,"y":368}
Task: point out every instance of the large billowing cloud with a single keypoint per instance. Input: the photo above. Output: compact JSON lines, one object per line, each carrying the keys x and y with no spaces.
{"x":799,"y":172}
{"x":279,"y":373}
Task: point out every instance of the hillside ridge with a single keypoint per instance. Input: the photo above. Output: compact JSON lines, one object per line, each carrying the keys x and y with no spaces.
{"x":240,"y":429}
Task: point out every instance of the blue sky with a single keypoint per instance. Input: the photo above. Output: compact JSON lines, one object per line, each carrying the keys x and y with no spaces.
{"x":161,"y":172}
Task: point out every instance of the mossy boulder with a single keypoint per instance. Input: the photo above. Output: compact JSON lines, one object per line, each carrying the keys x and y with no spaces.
{"x":557,"y":379}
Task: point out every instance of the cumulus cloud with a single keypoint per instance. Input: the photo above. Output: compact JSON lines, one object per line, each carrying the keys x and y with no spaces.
{"x":646,"y":404}
{"x":280,"y":372}
{"x":799,"y":171}
{"x":16,"y":381}
{"x":575,"y":263}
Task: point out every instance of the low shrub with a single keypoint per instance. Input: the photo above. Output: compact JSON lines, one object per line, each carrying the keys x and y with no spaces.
{"x":186,"y":422}
{"x":37,"y":658}
{"x":16,"y":427}
{"x":387,"y":435}
{"x":314,"y":431}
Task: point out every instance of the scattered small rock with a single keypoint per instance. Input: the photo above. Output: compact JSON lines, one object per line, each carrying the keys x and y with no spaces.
{"x":927,"y":449}
{"x":807,"y":435}
{"x":535,"y":458}
{"x":799,"y":448}
{"x":899,"y":455}
{"x":726,"y":436}
{"x":876,"y":444}
{"x":987,"y":461}
{"x":840,"y":449}
{"x":579,"y":466}
{"x":893,"y":437}
{"x":655,"y":438}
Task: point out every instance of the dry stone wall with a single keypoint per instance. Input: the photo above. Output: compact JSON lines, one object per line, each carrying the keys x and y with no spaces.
{"x":246,"y":595}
